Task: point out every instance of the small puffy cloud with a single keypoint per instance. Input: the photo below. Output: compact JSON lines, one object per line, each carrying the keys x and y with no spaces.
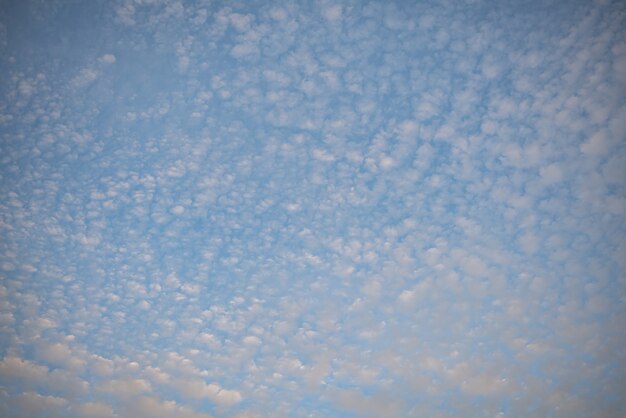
{"x":7,"y":266}
{"x":277,"y":13}
{"x":172,"y":280}
{"x":551,"y":174}
{"x":474,"y":266}
{"x":84,"y":78}
{"x":88,"y":241}
{"x":372,"y":289}
{"x":209,"y":340}
{"x":387,"y":163}
{"x":333,"y":13}
{"x":408,"y":129}
{"x":323,"y":155}
{"x":614,"y":171}
{"x":177,"y":170}
{"x":26,"y":88}
{"x":126,"y":13}
{"x":409,"y":296}
{"x":46,"y":323}
{"x":241,"y":22}
{"x":597,"y":145}
{"x":108,"y":59}
{"x":178,"y":210}
{"x":244,"y":49}
{"x":191,"y":289}
{"x":251,"y":340}
{"x":529,"y":242}
{"x":226,"y":397}
{"x":485,"y":385}
{"x":198,"y":389}
{"x":60,"y":354}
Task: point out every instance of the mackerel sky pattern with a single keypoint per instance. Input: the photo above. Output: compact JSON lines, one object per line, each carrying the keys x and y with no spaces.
{"x":312,"y":208}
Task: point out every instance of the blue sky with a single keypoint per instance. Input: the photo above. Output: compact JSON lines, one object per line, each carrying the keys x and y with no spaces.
{"x":312,"y":208}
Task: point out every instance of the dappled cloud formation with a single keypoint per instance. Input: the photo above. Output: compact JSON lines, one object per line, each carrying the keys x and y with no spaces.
{"x":312,"y":208}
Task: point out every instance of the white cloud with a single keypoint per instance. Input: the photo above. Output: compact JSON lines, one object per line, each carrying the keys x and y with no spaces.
{"x":125,"y":14}
{"x":198,"y":389}
{"x":26,"y":88}
{"x":178,"y":210}
{"x":529,"y":242}
{"x":371,"y":208}
{"x":108,"y":59}
{"x":67,"y":383}
{"x":252,"y":340}
{"x":126,"y":387}
{"x":102,"y":366}
{"x":94,"y":410}
{"x":191,"y":289}
{"x":244,"y":49}
{"x":333,"y":13}
{"x":241,"y":22}
{"x":16,"y":368}
{"x":60,"y":354}
{"x":31,"y":404}
{"x":597,"y":144}
{"x":85,"y":77}
{"x":551,"y":174}
{"x":485,"y":385}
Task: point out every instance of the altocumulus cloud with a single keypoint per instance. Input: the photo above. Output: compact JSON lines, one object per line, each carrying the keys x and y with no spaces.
{"x":312,"y":208}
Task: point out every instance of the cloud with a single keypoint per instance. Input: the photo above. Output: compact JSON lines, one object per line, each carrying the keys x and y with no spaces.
{"x":125,"y":387}
{"x":16,"y":368}
{"x":381,"y":209}
{"x":30,"y":404}
{"x":60,"y":354}
{"x":32,"y":376}
{"x":85,"y":77}
{"x":379,"y":405}
{"x":108,"y":59}
{"x":146,"y":406}
{"x":94,"y":410}
{"x":333,"y":13}
{"x":596,"y":145}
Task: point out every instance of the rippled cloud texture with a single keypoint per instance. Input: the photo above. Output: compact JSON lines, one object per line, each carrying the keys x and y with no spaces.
{"x":312,"y":208}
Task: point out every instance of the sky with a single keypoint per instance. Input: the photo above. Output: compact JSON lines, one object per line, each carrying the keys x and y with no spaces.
{"x":312,"y":208}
